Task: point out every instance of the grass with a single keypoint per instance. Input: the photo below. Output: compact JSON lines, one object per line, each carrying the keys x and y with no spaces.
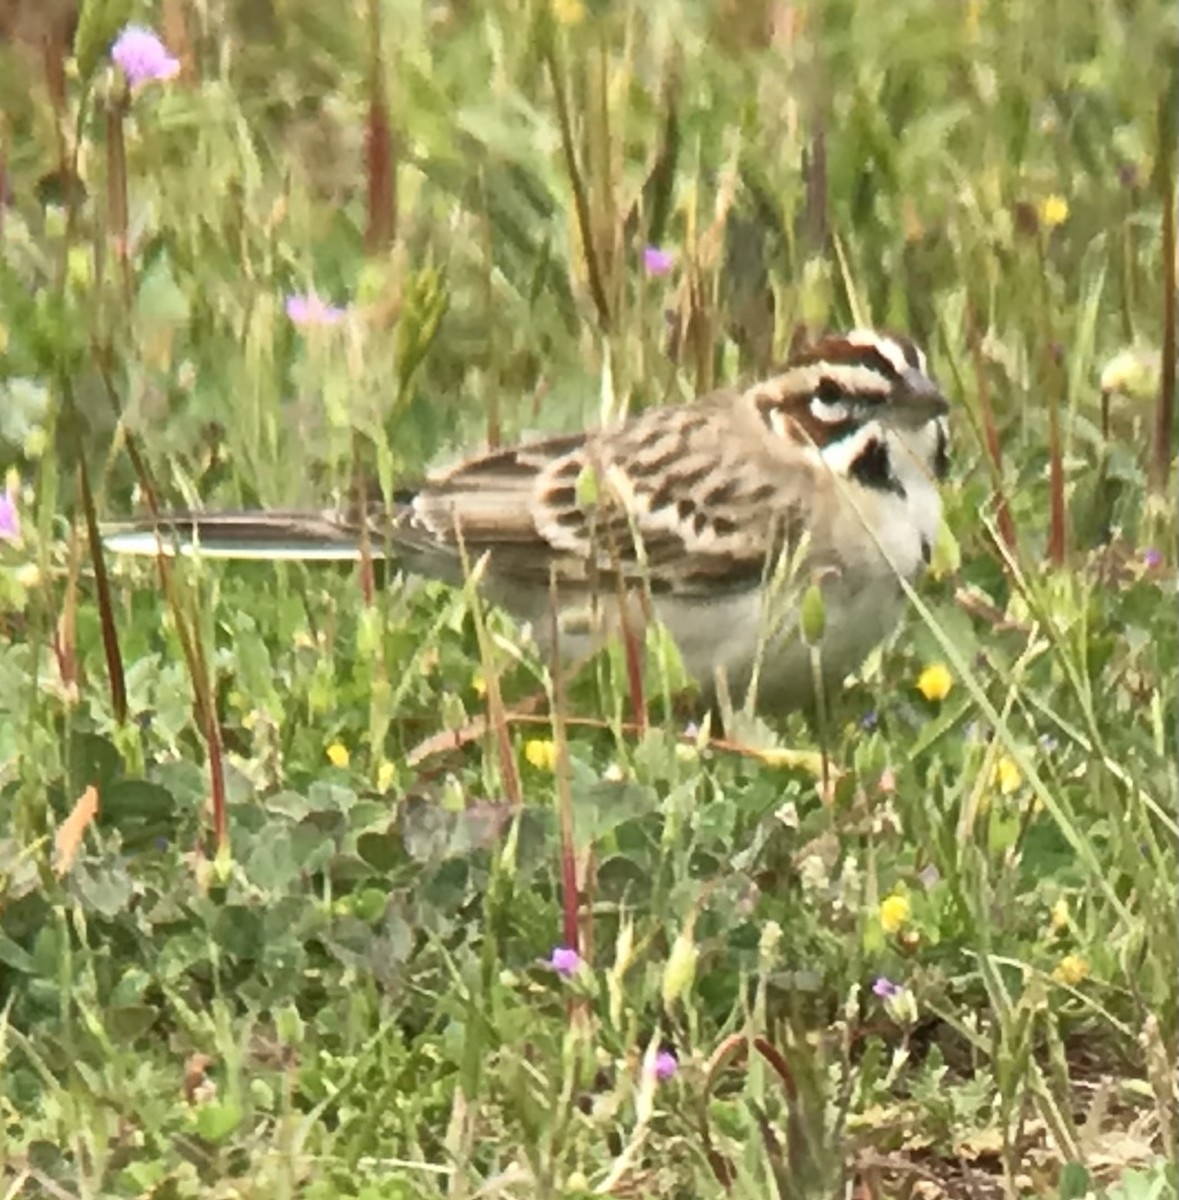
{"x":303,"y":946}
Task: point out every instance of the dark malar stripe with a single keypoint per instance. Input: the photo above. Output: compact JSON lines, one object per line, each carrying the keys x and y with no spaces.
{"x":941,"y":456}
{"x":873,"y":468}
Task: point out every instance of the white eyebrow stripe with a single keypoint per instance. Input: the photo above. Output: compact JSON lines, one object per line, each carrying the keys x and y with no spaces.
{"x":805,"y":380}
{"x":886,"y":347}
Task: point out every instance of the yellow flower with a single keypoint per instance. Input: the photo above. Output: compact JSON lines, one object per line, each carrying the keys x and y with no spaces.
{"x":1071,"y":969}
{"x":568,"y":12}
{"x":1133,"y":372}
{"x":935,"y":681}
{"x":338,"y":754}
{"x":895,"y":910}
{"x":1060,"y":917}
{"x":1006,"y":776}
{"x":386,"y":773}
{"x":972,"y":16}
{"x":1053,"y":211}
{"x":541,"y":753}
{"x":479,"y":684}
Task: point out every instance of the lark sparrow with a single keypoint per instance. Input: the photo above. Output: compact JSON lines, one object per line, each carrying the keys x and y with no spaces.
{"x":714,"y":516}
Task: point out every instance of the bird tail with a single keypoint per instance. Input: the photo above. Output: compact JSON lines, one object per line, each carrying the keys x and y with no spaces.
{"x":246,"y":534}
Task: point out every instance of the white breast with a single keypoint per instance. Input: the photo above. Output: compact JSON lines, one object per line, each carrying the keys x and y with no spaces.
{"x":873,"y":535}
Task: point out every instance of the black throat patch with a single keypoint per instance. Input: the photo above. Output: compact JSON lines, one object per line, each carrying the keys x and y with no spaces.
{"x":941,"y":457}
{"x":873,"y":468}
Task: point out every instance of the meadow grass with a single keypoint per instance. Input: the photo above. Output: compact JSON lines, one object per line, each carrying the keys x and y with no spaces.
{"x":305,"y":944}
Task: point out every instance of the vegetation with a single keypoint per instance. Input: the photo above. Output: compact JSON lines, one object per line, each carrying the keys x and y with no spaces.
{"x":313,"y":886}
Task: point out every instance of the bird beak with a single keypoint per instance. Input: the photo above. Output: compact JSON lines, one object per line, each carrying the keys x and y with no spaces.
{"x":918,"y":399}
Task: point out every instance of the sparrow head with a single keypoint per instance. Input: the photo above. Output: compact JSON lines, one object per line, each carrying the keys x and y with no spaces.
{"x":853,"y":392}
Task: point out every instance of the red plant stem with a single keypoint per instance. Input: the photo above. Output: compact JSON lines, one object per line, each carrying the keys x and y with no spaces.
{"x":1057,"y":529}
{"x":1164,"y":431}
{"x":116,"y":188}
{"x":106,"y":615}
{"x":570,"y":892}
{"x":216,"y":779}
{"x":990,"y":434}
{"x":197,"y":670}
{"x":382,"y":182}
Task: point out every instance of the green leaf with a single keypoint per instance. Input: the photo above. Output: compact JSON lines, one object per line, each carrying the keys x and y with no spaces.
{"x":217,"y":1120}
{"x":1074,"y":1181}
{"x":98,"y":24}
{"x":379,"y":850}
{"x":106,"y":890}
{"x":16,"y":956}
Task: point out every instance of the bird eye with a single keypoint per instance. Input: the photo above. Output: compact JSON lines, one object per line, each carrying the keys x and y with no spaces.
{"x":828,"y":404}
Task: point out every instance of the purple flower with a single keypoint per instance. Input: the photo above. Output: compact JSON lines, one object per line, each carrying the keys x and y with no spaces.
{"x":306,"y":311}
{"x":658,"y":262}
{"x":565,"y":961}
{"x":869,"y":720}
{"x":886,"y":989}
{"x":9,"y":517}
{"x":1152,"y":558}
{"x":665,"y":1065}
{"x":142,"y":56}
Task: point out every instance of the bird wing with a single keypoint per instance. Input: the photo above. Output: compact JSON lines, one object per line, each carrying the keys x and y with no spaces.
{"x":687,"y":499}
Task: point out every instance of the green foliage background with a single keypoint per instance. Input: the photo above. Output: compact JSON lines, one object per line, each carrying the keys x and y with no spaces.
{"x":353,"y":1000}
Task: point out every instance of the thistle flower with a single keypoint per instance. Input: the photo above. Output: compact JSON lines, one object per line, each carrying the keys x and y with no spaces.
{"x":309,"y":310}
{"x":9,"y":515}
{"x":665,"y":1065}
{"x":142,"y":57}
{"x":565,"y":961}
{"x":657,"y":261}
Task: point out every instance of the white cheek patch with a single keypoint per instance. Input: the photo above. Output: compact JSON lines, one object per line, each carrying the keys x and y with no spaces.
{"x":830,"y":412}
{"x":841,"y":455}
